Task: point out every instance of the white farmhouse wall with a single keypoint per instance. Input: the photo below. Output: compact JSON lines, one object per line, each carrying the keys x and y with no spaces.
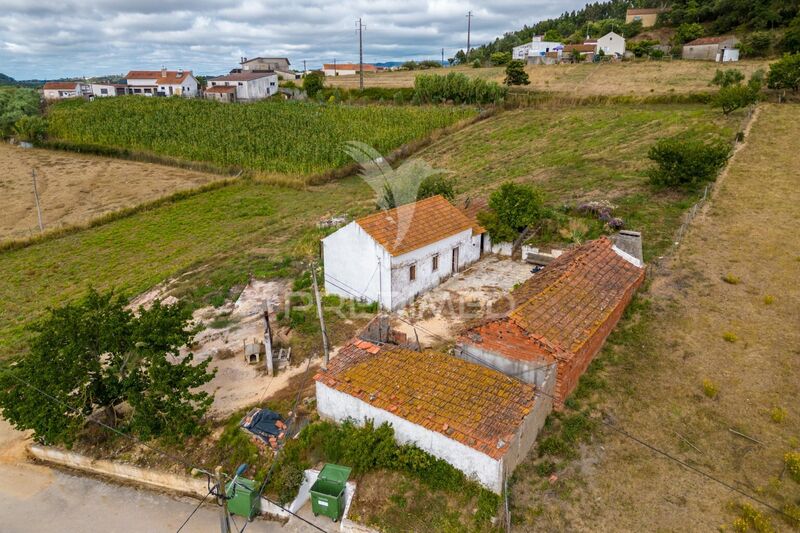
{"x":611,"y":43}
{"x":339,"y":72}
{"x":258,"y":88}
{"x":187,"y":88}
{"x":99,"y":88}
{"x":355,"y":262}
{"x":404,"y":290}
{"x":338,"y":406}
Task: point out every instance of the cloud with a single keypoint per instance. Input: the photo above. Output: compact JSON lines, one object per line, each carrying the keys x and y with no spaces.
{"x":50,"y":39}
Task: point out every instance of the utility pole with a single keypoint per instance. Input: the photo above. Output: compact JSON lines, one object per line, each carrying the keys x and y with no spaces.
{"x":360,"y":30}
{"x":268,"y":343}
{"x":222,"y":501}
{"x":469,"y":31}
{"x":442,"y":56}
{"x":304,"y":67}
{"x":334,"y":67}
{"x":321,"y":317}
{"x":36,"y":197}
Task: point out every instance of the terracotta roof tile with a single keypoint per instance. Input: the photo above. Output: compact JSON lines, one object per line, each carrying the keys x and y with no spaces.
{"x":60,"y":85}
{"x":412,"y":226}
{"x":221,"y":89}
{"x":173,"y":77}
{"x":466,"y":402}
{"x":708,"y":40}
{"x":471,"y":208}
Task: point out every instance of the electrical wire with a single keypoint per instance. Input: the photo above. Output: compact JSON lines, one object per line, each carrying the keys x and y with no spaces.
{"x":615,"y":428}
{"x":196,"y":509}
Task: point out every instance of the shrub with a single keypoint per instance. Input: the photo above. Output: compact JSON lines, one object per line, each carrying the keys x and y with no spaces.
{"x":515,"y":74}
{"x":735,"y":97}
{"x":313,"y":83}
{"x":778,"y":414}
{"x":785,"y":73}
{"x":514,"y":207}
{"x":686,"y":162}
{"x":436,"y":184}
{"x":726,"y":78}
{"x":792,"y":461}
{"x":756,"y":44}
{"x":730,"y":336}
{"x":710,"y":389}
{"x":731,"y":279}
{"x":687,"y":32}
{"x":476,"y":63}
{"x":751,"y":519}
{"x":15,"y":104}
{"x":457,"y":87}
{"x":545,"y":468}
{"x":769,"y":299}
{"x":31,"y":128}
{"x":500,"y":58}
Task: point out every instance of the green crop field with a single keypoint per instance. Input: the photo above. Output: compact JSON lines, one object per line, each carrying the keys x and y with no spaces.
{"x":268,"y":136}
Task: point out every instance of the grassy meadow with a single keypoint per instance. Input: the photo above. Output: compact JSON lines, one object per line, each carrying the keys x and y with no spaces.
{"x":267,"y":136}
{"x":221,"y":236}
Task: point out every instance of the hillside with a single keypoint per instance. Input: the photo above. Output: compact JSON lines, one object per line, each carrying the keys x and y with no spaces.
{"x":7,"y":80}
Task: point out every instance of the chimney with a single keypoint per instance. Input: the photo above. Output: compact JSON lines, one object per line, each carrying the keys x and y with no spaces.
{"x":180,"y":72}
{"x":163,"y":71}
{"x":630,"y":242}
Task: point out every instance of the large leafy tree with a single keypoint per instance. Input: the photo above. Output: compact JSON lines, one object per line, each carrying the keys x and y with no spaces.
{"x":88,"y":357}
{"x":513,"y":207}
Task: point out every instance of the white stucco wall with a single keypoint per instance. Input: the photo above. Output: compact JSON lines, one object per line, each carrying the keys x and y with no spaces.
{"x":355,"y":263}
{"x":611,"y":43}
{"x":535,"y":372}
{"x":338,"y":406}
{"x":404,"y":290}
{"x":97,"y":90}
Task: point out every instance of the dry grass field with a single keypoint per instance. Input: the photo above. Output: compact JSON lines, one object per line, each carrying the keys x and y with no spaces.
{"x":714,"y":348}
{"x":75,"y":188}
{"x":630,"y":78}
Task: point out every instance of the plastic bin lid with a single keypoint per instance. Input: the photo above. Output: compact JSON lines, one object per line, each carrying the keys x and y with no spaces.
{"x":337,"y":473}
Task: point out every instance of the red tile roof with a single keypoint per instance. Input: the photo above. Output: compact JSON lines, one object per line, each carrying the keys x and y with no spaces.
{"x":412,"y":226}
{"x":579,"y":48}
{"x":221,"y":89}
{"x":709,"y":40}
{"x":560,"y":308}
{"x":466,"y":402}
{"x":471,"y":207}
{"x":242,"y":76}
{"x":60,"y":85}
{"x":350,"y":66}
{"x":173,"y":77}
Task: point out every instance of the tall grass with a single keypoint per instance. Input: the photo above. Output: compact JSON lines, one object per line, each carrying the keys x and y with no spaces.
{"x":459,"y":88}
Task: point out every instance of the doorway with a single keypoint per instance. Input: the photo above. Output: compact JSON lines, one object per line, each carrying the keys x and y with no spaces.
{"x":454,"y":265}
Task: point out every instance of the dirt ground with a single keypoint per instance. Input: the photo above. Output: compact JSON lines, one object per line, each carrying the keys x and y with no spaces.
{"x":639,"y":78}
{"x":75,"y":188}
{"x":716,"y":350}
{"x":469,"y":295}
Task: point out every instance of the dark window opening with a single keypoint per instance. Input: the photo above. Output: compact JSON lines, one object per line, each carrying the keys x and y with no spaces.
{"x":412,"y":273}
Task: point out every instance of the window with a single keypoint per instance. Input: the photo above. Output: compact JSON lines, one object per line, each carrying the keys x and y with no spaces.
{"x":103,"y":91}
{"x":436,"y":262}
{"x":240,"y":84}
{"x":412,"y":273}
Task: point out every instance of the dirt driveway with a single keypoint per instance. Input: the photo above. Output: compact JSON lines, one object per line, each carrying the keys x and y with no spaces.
{"x":710,"y":371}
{"x":75,"y":188}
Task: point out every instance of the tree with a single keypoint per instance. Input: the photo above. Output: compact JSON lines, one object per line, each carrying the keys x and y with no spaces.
{"x":500,"y":58}
{"x":785,"y":73}
{"x":733,"y":97}
{"x":687,"y":32}
{"x":409,"y":65}
{"x":756,"y":44}
{"x":552,"y":35}
{"x":515,"y":74}
{"x":15,"y":104}
{"x":313,"y":83}
{"x":513,"y":207}
{"x":93,"y":355}
{"x":476,"y":63}
{"x":686,"y":163}
{"x":726,"y":78}
{"x":791,"y":38}
{"x":31,"y":128}
{"x":436,"y":184}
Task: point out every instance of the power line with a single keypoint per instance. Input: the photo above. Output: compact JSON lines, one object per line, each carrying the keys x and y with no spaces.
{"x":619,"y":430}
{"x":195,"y":509}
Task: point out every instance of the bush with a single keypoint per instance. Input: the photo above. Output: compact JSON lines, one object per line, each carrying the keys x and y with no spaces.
{"x":457,"y":87}
{"x":687,"y":32}
{"x":500,"y":58}
{"x":756,"y":44}
{"x":437,"y":184}
{"x":729,"y":99}
{"x":15,"y":104}
{"x":476,"y":63}
{"x":515,"y":74}
{"x":313,"y":82}
{"x":513,"y":208}
{"x":792,"y":461}
{"x":31,"y":128}
{"x":686,"y":163}
{"x":710,"y":389}
{"x":785,"y":73}
{"x":726,"y":78}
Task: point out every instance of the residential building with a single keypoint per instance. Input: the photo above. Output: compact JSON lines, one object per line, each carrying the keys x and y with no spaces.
{"x":162,"y":83}
{"x":56,"y":90}
{"x":611,"y":44}
{"x":347,"y":69}
{"x":278,"y":65}
{"x":247,"y":86}
{"x":711,"y":48}
{"x":101,"y":90}
{"x":479,"y":420}
{"x":648,"y":17}
{"x":579,"y":51}
{"x":392,"y":256}
{"x":560,"y":317}
{"x":536,"y":50}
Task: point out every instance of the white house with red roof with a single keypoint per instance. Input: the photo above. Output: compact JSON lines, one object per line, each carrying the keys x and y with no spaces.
{"x":394,"y":255}
{"x":56,"y":90}
{"x":162,"y":83}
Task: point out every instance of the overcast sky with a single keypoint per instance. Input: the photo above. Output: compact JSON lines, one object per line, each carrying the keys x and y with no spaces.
{"x":49,"y":39}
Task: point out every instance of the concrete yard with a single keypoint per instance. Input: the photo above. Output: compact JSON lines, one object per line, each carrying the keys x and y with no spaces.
{"x":444,"y":311}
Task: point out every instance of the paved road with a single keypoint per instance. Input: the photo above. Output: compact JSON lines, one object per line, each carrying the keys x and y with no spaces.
{"x":35,"y":498}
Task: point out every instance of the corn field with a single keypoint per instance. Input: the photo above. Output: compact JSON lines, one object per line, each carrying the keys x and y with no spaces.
{"x":269,"y":136}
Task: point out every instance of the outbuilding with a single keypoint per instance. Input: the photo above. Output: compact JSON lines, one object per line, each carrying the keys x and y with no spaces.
{"x":247,"y":86}
{"x":647,"y":16}
{"x":479,"y":420}
{"x":711,"y":48}
{"x":57,"y":90}
{"x":560,"y":317}
{"x":611,"y":44}
{"x":394,"y":255}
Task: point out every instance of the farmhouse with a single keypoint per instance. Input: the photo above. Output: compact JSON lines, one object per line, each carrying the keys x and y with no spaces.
{"x":162,"y":83}
{"x":721,"y":48}
{"x":477,"y":419}
{"x":345,"y":69}
{"x":611,"y":44}
{"x":537,"y":50}
{"x":392,"y":256}
{"x":55,"y":90}
{"x":647,"y":17}
{"x":560,"y":317}
{"x":243,"y":86}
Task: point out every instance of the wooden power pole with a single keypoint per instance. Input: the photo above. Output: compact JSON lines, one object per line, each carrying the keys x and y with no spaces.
{"x":36,"y":197}
{"x":469,"y":31}
{"x":360,"y":31}
{"x":268,"y":343}
{"x":321,"y":317}
{"x":222,"y":500}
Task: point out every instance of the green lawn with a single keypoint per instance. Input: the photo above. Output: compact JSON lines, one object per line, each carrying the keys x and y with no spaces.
{"x":579,"y":153}
{"x":268,"y":136}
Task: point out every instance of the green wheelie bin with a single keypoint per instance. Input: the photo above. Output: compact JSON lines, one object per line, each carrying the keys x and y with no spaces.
{"x":244,"y":500}
{"x":327,"y":493}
